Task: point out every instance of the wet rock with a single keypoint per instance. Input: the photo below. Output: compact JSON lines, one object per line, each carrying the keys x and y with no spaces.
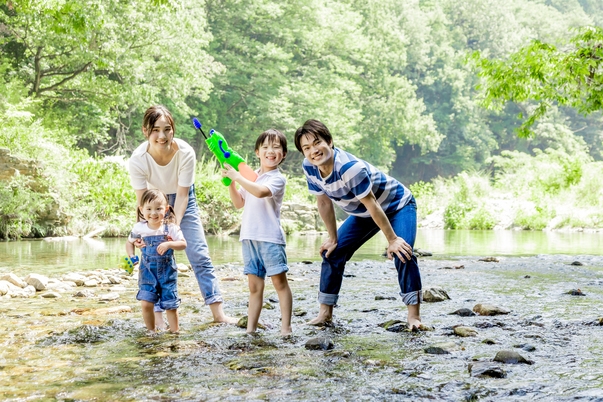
{"x":489,"y":341}
{"x":463,"y":312}
{"x":489,"y":309}
{"x":489,"y":259}
{"x":578,"y":263}
{"x":91,"y":283}
{"x":464,"y":331}
{"x":115,"y":280}
{"x":422,"y":253}
{"x":385,"y":297}
{"x":511,"y":357}
{"x":40,"y":282}
{"x":576,"y":292}
{"x":527,"y":347}
{"x":487,"y":324}
{"x":83,"y":293}
{"x":486,"y":369}
{"x":394,"y":325}
{"x":298,"y":312}
{"x":51,"y":295}
{"x":14,"y":279}
{"x":242,"y":323}
{"x":75,"y":278}
{"x":4,"y":287}
{"x":527,"y":277}
{"x":442,"y":348}
{"x":435,"y":294}
{"x":320,"y":343}
{"x":268,"y":306}
{"x":108,"y":297}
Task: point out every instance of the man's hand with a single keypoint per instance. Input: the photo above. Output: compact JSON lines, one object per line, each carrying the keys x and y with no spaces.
{"x":231,"y":173}
{"x":399,"y":247}
{"x":328,"y":245}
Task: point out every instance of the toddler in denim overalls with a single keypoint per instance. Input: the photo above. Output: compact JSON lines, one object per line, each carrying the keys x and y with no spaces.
{"x":157,"y":277}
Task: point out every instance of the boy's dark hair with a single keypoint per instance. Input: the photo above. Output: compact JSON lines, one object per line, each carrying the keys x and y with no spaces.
{"x":315,"y":128}
{"x":272,"y":135}
{"x":153,"y":114}
{"x":152,"y":195}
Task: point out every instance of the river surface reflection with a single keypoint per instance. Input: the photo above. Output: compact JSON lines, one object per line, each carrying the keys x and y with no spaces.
{"x":57,"y":256}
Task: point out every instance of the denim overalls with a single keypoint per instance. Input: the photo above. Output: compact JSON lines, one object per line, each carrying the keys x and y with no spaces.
{"x":157,"y":276}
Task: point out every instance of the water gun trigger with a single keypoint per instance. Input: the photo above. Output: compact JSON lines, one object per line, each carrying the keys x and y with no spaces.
{"x":224,"y":152}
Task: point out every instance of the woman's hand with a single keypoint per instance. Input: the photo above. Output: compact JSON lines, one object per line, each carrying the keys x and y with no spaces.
{"x":231,"y":173}
{"x":399,"y":247}
{"x":328,"y":245}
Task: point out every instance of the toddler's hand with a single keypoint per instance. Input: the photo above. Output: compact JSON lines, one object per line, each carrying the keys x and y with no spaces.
{"x":139,"y":243}
{"x":162,"y":248}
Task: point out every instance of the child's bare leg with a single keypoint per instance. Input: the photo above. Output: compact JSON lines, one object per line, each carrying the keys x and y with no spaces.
{"x":148,"y":315}
{"x":256,"y":300}
{"x":281,"y":285}
{"x":218,"y":313}
{"x":172,"y":317}
{"x":159,"y":323}
{"x":414,"y":315}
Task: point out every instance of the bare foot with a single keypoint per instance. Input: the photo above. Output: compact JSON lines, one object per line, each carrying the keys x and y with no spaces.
{"x":325,"y":316}
{"x":226,"y":319}
{"x":414,"y":316}
{"x":286,"y":332}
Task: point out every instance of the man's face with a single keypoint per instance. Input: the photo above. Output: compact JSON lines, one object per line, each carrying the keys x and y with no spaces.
{"x":316,"y":150}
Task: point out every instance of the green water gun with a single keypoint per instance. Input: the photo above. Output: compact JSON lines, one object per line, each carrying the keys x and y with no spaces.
{"x":219,"y":147}
{"x":127,"y":263}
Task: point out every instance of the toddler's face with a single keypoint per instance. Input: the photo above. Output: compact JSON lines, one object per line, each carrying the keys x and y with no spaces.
{"x":154,"y":212}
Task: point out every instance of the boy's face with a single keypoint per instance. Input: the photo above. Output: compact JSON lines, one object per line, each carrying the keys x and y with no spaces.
{"x":316,"y":150}
{"x":270,"y":154}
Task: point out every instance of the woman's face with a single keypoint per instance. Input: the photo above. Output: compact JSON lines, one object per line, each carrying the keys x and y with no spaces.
{"x":160,"y":136}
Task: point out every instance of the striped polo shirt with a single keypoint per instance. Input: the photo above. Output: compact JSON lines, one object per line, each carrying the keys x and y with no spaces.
{"x":353,"y":179}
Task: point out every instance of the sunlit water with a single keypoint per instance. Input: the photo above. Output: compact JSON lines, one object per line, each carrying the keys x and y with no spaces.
{"x":50,"y":352}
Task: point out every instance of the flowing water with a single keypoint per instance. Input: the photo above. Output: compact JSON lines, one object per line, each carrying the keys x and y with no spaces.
{"x":65,"y":349}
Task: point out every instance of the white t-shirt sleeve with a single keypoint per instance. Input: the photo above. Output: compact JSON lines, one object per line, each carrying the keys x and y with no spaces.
{"x":276,"y":184}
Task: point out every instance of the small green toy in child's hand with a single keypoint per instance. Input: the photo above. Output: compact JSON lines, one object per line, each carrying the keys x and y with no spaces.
{"x":128,"y":264}
{"x":219,"y":147}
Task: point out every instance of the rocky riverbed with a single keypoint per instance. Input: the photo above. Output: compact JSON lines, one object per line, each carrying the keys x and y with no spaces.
{"x":516,"y":328}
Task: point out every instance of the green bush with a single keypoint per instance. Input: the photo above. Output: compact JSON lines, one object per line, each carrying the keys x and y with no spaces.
{"x":537,"y":220}
{"x":20,"y":209}
{"x":481,"y":219}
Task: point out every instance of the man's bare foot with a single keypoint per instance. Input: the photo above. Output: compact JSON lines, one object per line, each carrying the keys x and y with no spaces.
{"x":414,"y":316}
{"x":325,"y":315}
{"x":219,"y":316}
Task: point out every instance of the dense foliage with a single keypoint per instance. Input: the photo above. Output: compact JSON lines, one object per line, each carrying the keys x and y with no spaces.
{"x":390,"y":78}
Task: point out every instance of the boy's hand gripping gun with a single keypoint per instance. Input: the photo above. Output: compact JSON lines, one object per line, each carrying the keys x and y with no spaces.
{"x":218,"y":146}
{"x":128,"y":263}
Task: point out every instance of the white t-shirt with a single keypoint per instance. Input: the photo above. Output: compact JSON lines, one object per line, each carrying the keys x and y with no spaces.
{"x":262,"y":216}
{"x":143,"y":229}
{"x":145,"y":173}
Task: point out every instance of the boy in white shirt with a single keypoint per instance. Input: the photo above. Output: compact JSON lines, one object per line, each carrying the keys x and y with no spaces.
{"x":261,"y":233}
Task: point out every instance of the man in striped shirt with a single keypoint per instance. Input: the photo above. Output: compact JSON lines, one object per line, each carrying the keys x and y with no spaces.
{"x":374,"y":201}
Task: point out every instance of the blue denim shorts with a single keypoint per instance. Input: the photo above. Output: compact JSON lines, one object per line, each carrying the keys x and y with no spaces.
{"x":157,"y":282}
{"x":263,"y":258}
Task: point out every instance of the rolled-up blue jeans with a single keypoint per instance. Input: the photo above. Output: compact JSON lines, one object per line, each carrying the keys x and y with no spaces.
{"x":353,"y":233}
{"x":197,"y":251}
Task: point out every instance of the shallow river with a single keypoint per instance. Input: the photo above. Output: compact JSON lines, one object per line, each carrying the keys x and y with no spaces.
{"x":66,"y":349}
